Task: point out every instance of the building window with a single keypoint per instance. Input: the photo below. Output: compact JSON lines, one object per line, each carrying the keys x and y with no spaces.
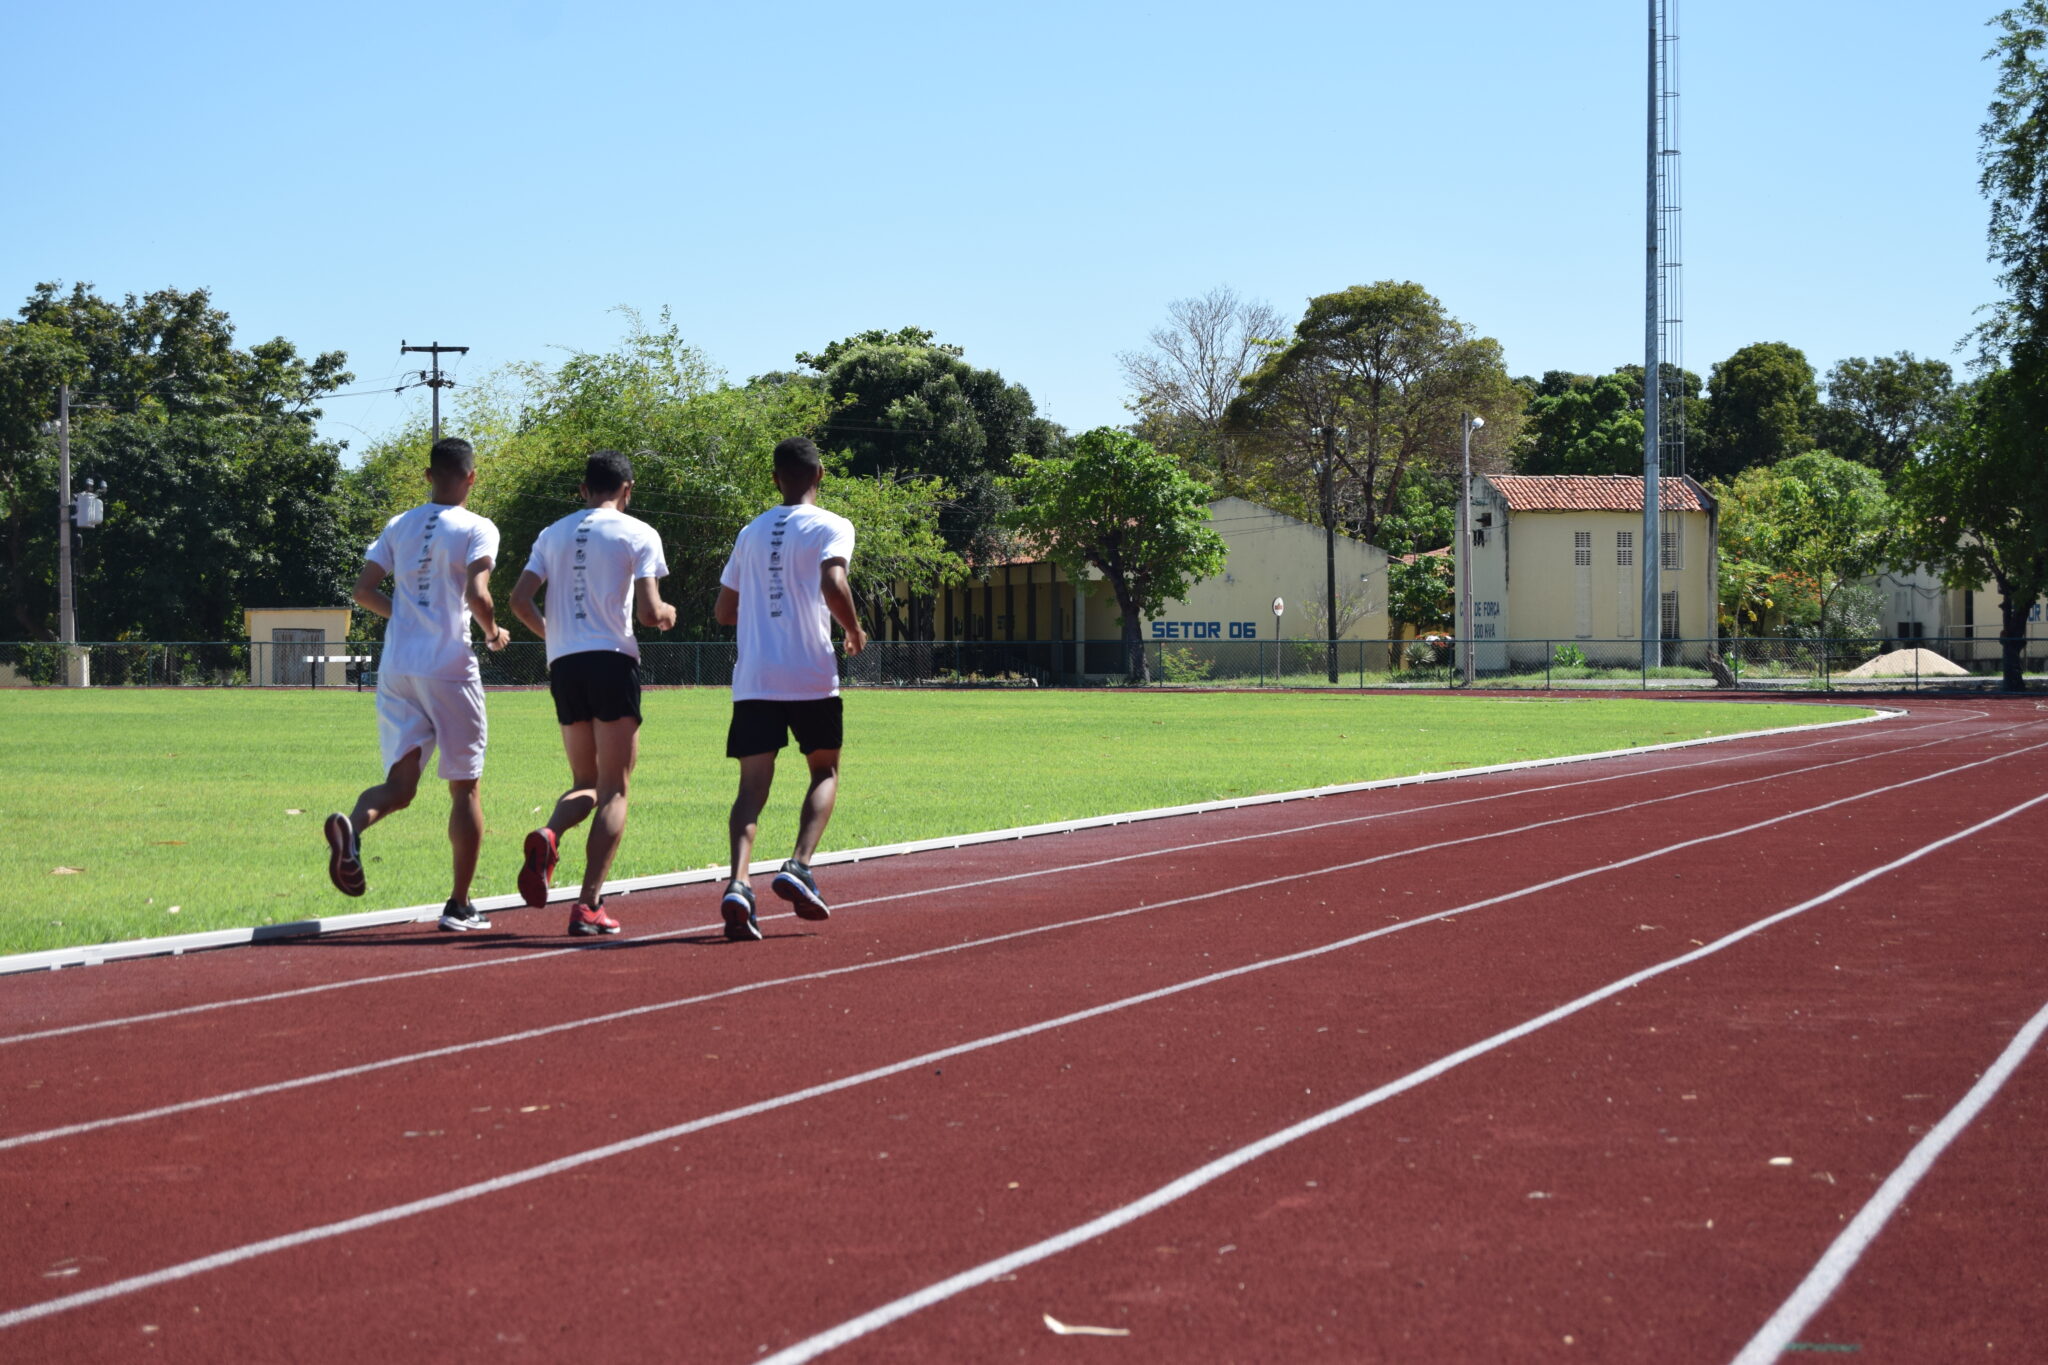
{"x":1624,"y":549}
{"x":1582,"y":549}
{"x":1674,"y":541}
{"x":1669,"y":624}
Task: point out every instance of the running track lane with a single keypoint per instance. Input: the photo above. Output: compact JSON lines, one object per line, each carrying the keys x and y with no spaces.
{"x":799,"y":1177}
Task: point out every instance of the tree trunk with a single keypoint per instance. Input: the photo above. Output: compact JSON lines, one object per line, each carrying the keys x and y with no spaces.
{"x":2012,"y":638}
{"x":1137,"y":668}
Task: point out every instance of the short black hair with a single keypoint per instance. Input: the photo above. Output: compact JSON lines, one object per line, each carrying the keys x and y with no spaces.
{"x":452,"y":455}
{"x":798,"y":455}
{"x":607,"y":471}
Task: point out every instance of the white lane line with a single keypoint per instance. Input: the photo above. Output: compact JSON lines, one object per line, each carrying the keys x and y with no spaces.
{"x":576,"y":1160}
{"x":854,"y":1328}
{"x":635,"y":1011}
{"x":155,"y":1016}
{"x":1834,"y":1266}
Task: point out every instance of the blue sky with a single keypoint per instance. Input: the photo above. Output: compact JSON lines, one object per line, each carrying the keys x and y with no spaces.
{"x":1034,"y":182}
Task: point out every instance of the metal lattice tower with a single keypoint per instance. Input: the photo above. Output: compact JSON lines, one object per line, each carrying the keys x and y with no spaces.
{"x":1670,"y":306}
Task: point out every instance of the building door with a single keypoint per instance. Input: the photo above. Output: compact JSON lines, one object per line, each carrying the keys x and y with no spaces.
{"x":289,"y":648}
{"x":1625,"y":589}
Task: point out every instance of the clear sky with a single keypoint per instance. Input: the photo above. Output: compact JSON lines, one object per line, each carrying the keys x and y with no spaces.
{"x":1035,"y":182}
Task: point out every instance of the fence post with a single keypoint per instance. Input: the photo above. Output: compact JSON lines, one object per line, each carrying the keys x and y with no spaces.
{"x":1549,"y":653}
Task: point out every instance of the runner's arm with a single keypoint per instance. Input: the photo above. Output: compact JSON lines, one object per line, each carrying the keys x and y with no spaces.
{"x":839,"y":601}
{"x":522,"y":603}
{"x":477,"y":593}
{"x":369,"y":593}
{"x":651,"y":609}
{"x":727,"y":612}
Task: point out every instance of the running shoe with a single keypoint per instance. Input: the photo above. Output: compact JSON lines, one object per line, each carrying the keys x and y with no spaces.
{"x":738,"y":909}
{"x":543,"y":851}
{"x":344,"y":856}
{"x":461,"y":917}
{"x":587,"y":922}
{"x":795,"y":884}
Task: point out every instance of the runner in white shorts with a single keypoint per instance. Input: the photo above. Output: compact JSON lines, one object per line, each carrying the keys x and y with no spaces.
{"x":784,"y":586}
{"x":429,"y":692}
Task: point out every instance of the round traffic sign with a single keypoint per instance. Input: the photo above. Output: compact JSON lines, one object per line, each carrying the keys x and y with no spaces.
{"x":1279,"y":605}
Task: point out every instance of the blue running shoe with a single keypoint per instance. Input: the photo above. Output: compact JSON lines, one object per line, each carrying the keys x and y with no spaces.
{"x":795,"y":884}
{"x":738,"y":909}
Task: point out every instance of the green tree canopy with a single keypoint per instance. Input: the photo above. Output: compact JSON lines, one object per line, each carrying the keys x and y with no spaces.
{"x":1115,"y":504}
{"x":1761,"y":407}
{"x":1975,"y":505}
{"x":1881,"y":410}
{"x":222,"y":495}
{"x":1390,"y":371}
{"x":914,"y":409}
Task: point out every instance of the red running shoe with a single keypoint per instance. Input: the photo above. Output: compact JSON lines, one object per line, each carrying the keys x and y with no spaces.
{"x":542,"y":853}
{"x":586,"y":922}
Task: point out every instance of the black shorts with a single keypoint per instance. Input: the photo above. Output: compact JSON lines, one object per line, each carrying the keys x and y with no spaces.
{"x":764,"y":727}
{"x":597,"y":684}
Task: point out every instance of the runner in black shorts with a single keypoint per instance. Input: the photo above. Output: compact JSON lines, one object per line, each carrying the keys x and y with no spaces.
{"x":783,"y":587}
{"x":595,"y":685}
{"x":598,"y":565}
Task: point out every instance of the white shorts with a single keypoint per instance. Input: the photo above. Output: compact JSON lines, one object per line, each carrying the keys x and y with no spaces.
{"x":419,"y":713}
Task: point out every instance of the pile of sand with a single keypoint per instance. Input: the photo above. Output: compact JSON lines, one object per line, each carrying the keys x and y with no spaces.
{"x":1905,"y":663}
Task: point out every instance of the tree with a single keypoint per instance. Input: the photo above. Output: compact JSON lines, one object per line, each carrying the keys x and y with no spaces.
{"x":1182,"y":387}
{"x":1388,"y":370}
{"x":912,"y":408}
{"x":1760,"y":409}
{"x":1420,"y":592}
{"x":1838,"y":524}
{"x":1977,"y":499}
{"x":1976,"y":506}
{"x":223,"y":495}
{"x":1583,"y":424}
{"x":1880,"y":411}
{"x":1131,"y":512}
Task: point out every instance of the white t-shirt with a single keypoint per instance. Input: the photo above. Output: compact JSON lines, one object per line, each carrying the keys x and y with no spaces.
{"x":428,"y":551}
{"x":590,"y":559}
{"x":785,"y":634}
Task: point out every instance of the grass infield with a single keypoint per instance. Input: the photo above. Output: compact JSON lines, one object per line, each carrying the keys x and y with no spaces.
{"x":182,"y":811}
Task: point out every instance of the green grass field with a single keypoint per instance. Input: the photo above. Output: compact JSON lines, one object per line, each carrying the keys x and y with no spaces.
{"x":184,"y":811}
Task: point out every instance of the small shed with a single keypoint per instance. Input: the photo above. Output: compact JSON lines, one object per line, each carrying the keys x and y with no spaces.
{"x":284,"y":643}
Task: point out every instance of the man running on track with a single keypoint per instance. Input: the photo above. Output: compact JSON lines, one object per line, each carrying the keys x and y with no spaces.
{"x":602,"y":567}
{"x":429,"y":691}
{"x":783,"y":587}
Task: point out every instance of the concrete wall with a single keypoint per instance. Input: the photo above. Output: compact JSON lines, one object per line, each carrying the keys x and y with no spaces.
{"x":272,"y":663}
{"x":1268,"y":556}
{"x":1527,"y":585}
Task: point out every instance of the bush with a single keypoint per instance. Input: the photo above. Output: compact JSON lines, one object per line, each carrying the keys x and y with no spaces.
{"x":1181,"y":666}
{"x":1431,"y":651}
{"x":1568,"y":656}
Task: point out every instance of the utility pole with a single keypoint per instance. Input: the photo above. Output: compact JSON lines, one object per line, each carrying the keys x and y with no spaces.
{"x":1328,"y":470}
{"x":1465,"y":542}
{"x":434,"y":380}
{"x":67,"y":621}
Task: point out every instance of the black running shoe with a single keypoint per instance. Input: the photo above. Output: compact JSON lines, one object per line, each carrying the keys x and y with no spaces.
{"x":460,"y":918}
{"x":795,"y":884}
{"x":738,"y":909}
{"x":344,"y":856}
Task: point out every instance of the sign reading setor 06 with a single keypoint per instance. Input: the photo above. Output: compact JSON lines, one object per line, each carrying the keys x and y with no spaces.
{"x":1205,"y":630}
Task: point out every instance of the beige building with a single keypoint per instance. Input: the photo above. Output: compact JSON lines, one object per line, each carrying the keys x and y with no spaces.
{"x":1557,"y":559}
{"x":283,"y":641}
{"x":1269,"y":555}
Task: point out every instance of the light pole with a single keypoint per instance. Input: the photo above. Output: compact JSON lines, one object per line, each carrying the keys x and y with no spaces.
{"x":88,"y":511}
{"x":1470,"y":424}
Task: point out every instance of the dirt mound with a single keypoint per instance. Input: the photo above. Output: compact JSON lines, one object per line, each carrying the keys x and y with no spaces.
{"x":1905,"y":663}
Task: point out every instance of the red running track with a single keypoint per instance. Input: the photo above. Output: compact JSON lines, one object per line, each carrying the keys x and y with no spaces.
{"x":1586,"y":1062}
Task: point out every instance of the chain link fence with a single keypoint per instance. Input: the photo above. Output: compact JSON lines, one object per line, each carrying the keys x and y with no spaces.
{"x":1431,"y":662}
